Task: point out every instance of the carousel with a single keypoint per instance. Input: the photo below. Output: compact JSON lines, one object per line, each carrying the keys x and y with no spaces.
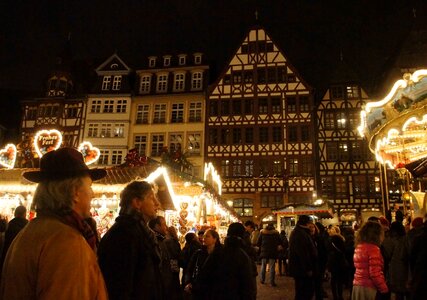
{"x":188,"y":203}
{"x":396,"y":130}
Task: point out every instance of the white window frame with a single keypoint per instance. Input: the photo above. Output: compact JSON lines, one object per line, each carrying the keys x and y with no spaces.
{"x":141,"y":143}
{"x":162,"y":83}
{"x":176,"y":141}
{"x":118,"y":130}
{"x":182,"y":60}
{"x":145,"y":84}
{"x":104,"y":157}
{"x":108,"y":106}
{"x":106,"y":83}
{"x":197,"y":59}
{"x":117,"y":83}
{"x":179,"y":82}
{"x":151,"y":62}
{"x":194,"y":143}
{"x":142,"y":114}
{"x":195,"y":112}
{"x":93,"y":130}
{"x":177,"y":113}
{"x":95,"y":106}
{"x":196,"y":81}
{"x":166,"y":61}
{"x":116,"y":157}
{"x":121,"y":106}
{"x":105,"y":130}
{"x":159,"y":113}
{"x":157,"y":144}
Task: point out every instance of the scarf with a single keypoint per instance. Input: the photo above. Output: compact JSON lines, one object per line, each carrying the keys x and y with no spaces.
{"x":77,"y":222}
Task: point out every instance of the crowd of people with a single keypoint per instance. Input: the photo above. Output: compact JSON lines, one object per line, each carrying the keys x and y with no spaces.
{"x":58,"y":254}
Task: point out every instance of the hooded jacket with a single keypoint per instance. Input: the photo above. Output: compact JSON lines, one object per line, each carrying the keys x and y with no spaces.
{"x":268,"y":241}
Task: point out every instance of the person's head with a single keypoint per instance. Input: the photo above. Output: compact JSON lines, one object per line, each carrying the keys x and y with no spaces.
{"x":190,"y":237}
{"x":320,"y":227}
{"x":249,"y":226}
{"x":304,"y":220}
{"x":159,"y":224}
{"x":211,"y":239}
{"x":172,"y":232}
{"x":397,"y":229}
{"x":373,"y":219}
{"x":384,"y":223}
{"x":370,"y":232}
{"x":64,"y":183}
{"x":236,"y":230}
{"x":417,"y":222}
{"x":140,"y":197}
{"x":200,"y":235}
{"x":313,"y":229}
{"x":396,"y":206}
{"x":20,"y":212}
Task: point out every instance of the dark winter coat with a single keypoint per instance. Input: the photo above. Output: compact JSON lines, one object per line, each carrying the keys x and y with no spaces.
{"x":129,"y":258}
{"x":418,"y":264}
{"x":187,"y":253}
{"x":397,"y":252}
{"x":337,"y":262}
{"x":269,"y":241}
{"x":170,"y":278}
{"x":302,"y":253}
{"x":236,"y":272}
{"x":204,"y":274}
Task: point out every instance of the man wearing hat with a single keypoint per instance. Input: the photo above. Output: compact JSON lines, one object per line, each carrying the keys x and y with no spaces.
{"x":53,"y":257}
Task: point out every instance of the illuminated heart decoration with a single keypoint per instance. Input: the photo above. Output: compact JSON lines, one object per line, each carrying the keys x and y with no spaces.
{"x":8,"y":156}
{"x":90,"y":153}
{"x":46,"y":141}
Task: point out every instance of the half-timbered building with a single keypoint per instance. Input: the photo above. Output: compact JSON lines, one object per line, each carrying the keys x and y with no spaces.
{"x":260,"y":129}
{"x":348,"y":171}
{"x":107,"y":121}
{"x":61,"y":109}
{"x":168,"y":109}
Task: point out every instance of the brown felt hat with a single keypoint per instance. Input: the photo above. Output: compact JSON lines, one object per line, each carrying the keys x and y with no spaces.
{"x":62,"y":164}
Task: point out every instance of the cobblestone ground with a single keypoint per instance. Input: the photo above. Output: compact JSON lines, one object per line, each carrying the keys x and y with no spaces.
{"x":285,"y":289}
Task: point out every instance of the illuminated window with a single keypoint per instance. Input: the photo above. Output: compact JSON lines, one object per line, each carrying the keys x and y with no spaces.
{"x":343,"y":151}
{"x":293,"y":167}
{"x":194,"y":143}
{"x":175,"y":142}
{"x":341,"y":119}
{"x":277,"y":167}
{"x":352,"y":91}
{"x":243,"y":207}
{"x":225,"y":168}
{"x":248,"y":168}
{"x":106,"y":130}
{"x":106,"y":83}
{"x":119,"y":130}
{"x":329,"y":120}
{"x":236,"y":168}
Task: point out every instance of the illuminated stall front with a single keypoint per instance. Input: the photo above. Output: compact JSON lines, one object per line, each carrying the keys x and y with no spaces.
{"x":396,"y":131}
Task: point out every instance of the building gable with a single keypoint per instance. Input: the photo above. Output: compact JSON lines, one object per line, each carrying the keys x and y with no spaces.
{"x":114,"y":64}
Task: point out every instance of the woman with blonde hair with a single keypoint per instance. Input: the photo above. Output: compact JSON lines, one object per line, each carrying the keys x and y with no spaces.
{"x":369,"y":276}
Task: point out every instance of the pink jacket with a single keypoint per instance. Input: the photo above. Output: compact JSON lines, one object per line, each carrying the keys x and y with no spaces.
{"x":369,"y":265}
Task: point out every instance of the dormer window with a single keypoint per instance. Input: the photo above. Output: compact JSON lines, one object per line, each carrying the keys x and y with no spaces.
{"x":117,"y":83}
{"x":179,"y":82}
{"x":152,"y":62}
{"x":197,"y":58}
{"x":106,"y":83}
{"x":182,"y":60}
{"x":166,"y":61}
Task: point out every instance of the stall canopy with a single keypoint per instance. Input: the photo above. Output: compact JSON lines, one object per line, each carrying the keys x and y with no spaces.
{"x":323,"y":211}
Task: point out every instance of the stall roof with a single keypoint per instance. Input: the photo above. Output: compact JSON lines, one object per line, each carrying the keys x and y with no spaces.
{"x":324,"y":211}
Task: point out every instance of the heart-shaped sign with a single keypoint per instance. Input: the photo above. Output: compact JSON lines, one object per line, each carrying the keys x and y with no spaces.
{"x":46,"y":141}
{"x":8,"y":156}
{"x":90,"y":153}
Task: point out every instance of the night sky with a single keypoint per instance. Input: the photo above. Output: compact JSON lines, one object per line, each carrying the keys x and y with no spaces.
{"x":312,"y":33}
